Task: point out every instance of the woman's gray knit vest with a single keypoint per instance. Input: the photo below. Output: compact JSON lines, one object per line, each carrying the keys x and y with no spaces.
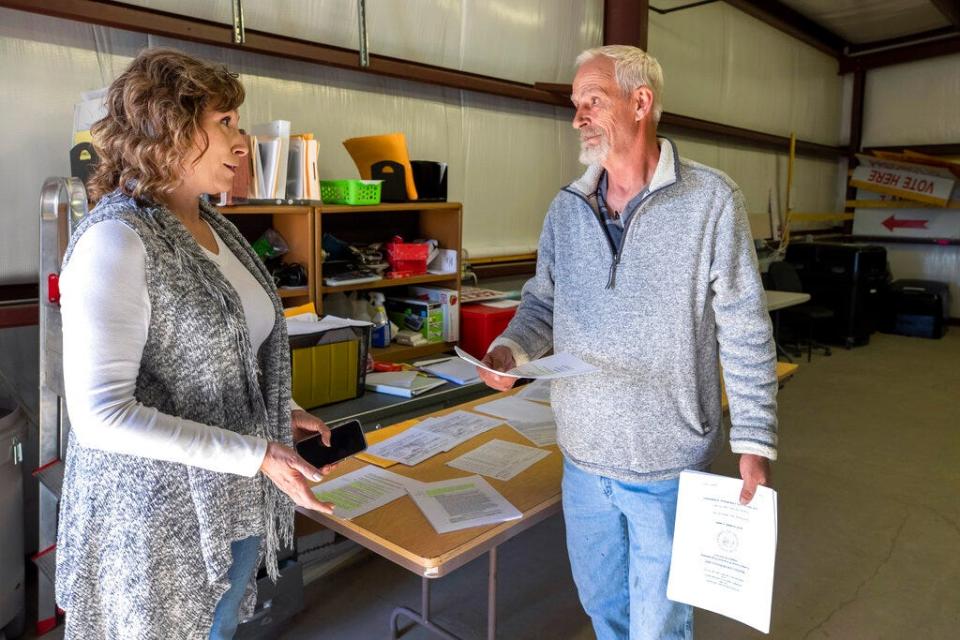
{"x":144,"y":545}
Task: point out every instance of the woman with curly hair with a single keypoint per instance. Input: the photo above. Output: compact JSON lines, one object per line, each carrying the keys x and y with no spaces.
{"x":180,"y":469}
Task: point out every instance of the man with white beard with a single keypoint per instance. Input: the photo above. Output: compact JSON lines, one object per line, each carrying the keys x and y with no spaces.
{"x":645,"y":269}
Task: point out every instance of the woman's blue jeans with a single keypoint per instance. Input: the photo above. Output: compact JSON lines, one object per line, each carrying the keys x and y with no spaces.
{"x":619,"y":538}
{"x":226,"y":618}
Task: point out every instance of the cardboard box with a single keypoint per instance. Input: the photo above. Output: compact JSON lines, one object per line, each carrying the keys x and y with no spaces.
{"x":449,"y":300}
{"x":423,"y":316}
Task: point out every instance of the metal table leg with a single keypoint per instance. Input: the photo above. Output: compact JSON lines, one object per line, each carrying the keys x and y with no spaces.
{"x":422,"y":618}
{"x":776,"y":338}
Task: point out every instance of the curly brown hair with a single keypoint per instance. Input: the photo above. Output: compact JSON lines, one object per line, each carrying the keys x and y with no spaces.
{"x":153,"y":117}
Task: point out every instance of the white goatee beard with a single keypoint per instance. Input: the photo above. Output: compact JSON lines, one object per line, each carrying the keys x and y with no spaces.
{"x":596,"y":154}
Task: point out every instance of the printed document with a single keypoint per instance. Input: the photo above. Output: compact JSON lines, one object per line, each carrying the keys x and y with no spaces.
{"x":412,"y":446}
{"x":459,"y":426}
{"x":499,"y":459}
{"x":559,"y":365}
{"x":361,"y":491}
{"x":533,"y":420}
{"x":538,"y":391}
{"x":461,"y":503}
{"x":723,"y":552}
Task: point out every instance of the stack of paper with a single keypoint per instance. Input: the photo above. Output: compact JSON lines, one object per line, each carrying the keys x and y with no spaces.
{"x":455,"y":370}
{"x":723,"y":552}
{"x":533,"y":420}
{"x":309,"y":323}
{"x":406,"y":384}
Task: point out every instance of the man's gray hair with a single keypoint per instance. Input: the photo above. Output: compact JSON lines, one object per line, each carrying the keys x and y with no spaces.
{"x":633,"y":68}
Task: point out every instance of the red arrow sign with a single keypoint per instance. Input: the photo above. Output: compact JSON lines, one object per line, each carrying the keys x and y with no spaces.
{"x":892,"y":223}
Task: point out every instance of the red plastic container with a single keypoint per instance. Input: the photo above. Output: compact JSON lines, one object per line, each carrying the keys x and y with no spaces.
{"x":480,"y":325}
{"x":406,"y":258}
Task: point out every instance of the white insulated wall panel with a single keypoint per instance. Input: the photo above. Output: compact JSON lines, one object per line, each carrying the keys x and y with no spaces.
{"x":913,"y":103}
{"x":723,"y":65}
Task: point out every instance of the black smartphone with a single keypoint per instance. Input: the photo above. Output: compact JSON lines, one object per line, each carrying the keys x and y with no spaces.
{"x":345,"y":440}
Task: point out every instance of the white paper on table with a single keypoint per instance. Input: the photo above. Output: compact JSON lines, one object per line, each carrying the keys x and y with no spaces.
{"x":559,"y":365}
{"x":499,"y":459}
{"x":514,"y":408}
{"x":538,"y":391}
{"x":462,"y":503}
{"x":361,"y":491}
{"x":411,"y":447}
{"x":459,"y":426}
{"x":541,"y":434}
{"x":724,"y":552}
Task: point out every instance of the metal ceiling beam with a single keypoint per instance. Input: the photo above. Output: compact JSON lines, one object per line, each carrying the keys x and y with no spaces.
{"x":913,"y":38}
{"x":625,"y":22}
{"x":900,"y":55}
{"x":950,"y":10}
{"x":793,"y":23}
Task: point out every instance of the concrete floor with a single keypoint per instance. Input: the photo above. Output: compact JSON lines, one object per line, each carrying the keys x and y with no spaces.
{"x":868,"y":481}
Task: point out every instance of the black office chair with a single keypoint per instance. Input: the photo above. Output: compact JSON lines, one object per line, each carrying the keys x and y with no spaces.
{"x":783,"y":277}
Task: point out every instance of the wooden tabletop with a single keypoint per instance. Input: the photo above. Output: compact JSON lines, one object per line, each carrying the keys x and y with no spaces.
{"x":399,"y":531}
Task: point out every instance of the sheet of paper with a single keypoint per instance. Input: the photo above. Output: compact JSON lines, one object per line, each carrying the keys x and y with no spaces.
{"x":499,"y":459}
{"x":538,"y":391}
{"x":514,"y":408}
{"x":723,"y":552}
{"x":361,"y":491}
{"x":459,"y":426}
{"x":462,"y":503}
{"x":412,"y":446}
{"x":559,"y":365}
{"x":308,"y":323}
{"x":541,"y":434}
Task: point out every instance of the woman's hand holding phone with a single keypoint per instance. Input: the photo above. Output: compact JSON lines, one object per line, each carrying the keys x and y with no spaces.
{"x":290,"y":473}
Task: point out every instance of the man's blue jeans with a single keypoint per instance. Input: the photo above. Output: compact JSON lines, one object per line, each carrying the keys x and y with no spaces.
{"x":619,"y":538}
{"x":226,"y":618}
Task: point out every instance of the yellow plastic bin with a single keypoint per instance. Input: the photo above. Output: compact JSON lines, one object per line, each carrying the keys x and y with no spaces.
{"x":329,"y":366}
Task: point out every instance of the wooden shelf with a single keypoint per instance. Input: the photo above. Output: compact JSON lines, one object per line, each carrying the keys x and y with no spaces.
{"x":389,"y":206}
{"x":296,"y":292}
{"x":260,"y":209}
{"x":391,"y":282}
{"x":399,"y":353}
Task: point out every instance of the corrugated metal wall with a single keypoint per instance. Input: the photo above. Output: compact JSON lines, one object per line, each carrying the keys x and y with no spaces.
{"x":507,"y":158}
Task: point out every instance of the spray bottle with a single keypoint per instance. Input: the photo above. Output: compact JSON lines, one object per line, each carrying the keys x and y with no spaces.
{"x":381,"y":324}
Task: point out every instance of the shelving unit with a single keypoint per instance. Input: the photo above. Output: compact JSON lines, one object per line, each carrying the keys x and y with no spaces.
{"x":303,"y":226}
{"x":296,"y":223}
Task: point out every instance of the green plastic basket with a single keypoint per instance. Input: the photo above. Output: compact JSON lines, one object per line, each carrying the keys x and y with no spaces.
{"x":350,"y":191}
